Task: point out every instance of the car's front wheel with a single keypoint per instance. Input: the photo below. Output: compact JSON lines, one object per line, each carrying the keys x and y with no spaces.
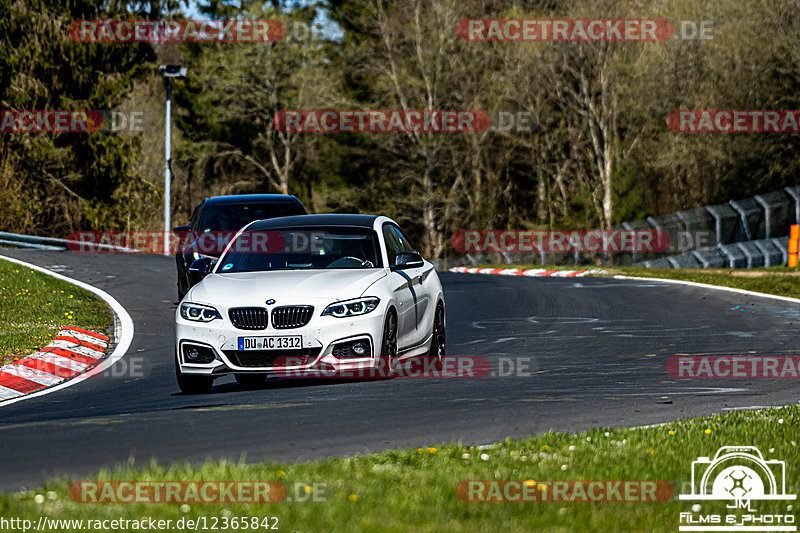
{"x":192,"y":384}
{"x":389,"y":344}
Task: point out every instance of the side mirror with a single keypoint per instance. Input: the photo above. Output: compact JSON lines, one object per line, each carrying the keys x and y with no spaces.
{"x":200,"y":269}
{"x":182,"y":232}
{"x":407,"y":260}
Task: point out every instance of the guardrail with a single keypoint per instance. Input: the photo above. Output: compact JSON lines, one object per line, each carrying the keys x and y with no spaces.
{"x":746,"y":233}
{"x":31,"y":241}
{"x":50,"y":243}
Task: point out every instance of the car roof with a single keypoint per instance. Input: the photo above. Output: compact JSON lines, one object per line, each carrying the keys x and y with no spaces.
{"x":253,"y":198}
{"x":364,"y":221}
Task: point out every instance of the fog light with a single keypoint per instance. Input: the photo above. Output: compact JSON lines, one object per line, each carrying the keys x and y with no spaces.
{"x":357,"y":348}
{"x":197,"y":354}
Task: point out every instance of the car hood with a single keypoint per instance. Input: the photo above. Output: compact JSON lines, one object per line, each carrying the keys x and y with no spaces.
{"x":284,"y":286}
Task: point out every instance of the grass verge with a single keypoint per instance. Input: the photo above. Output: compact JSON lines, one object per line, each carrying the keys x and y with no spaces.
{"x":415,"y":490}
{"x":34,"y":305}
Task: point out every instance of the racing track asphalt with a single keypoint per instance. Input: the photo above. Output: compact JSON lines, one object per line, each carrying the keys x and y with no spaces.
{"x":597,"y":348}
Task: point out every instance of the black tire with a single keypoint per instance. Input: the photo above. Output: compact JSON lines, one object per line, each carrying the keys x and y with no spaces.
{"x":250,"y":381}
{"x":192,"y":384}
{"x":438,"y":349}
{"x":389,"y":344}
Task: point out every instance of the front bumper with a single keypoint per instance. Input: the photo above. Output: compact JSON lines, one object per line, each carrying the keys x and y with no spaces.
{"x":319,"y":339}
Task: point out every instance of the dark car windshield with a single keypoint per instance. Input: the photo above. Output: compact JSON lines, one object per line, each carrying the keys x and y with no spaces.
{"x":232,"y":217}
{"x":333,"y":247}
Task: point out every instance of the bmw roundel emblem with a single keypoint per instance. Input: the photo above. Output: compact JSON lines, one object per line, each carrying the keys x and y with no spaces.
{"x":270,"y":301}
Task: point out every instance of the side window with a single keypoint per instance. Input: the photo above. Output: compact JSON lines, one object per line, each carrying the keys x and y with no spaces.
{"x":195,"y":216}
{"x":393,"y":243}
{"x":407,"y":246}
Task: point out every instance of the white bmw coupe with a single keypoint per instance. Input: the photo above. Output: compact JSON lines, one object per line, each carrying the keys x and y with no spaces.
{"x":295,"y":293}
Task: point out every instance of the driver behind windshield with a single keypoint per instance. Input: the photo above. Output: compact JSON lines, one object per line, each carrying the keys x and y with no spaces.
{"x":312,"y":248}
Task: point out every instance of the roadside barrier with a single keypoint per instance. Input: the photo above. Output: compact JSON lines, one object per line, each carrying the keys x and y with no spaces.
{"x":17,"y":240}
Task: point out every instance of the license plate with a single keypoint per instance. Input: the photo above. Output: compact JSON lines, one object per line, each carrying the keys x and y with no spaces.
{"x":283,"y":342}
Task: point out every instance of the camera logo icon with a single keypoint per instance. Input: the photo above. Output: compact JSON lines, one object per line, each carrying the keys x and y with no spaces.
{"x":738,"y":473}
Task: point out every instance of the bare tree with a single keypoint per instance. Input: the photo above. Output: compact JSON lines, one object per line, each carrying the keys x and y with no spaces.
{"x":414,"y":66}
{"x":248,"y":86}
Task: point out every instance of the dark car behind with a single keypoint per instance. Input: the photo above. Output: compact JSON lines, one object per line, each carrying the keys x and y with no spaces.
{"x":223,"y":215}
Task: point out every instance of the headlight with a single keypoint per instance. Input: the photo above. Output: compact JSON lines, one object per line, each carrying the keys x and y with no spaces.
{"x":361,"y":306}
{"x":199,"y":313}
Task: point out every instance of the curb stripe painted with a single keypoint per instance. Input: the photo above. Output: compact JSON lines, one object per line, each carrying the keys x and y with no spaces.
{"x":48,"y":367}
{"x":123,"y":336}
{"x":24,"y":372}
{"x":42,"y":369}
{"x":85,"y":359}
{"x":87,"y":332}
{"x":74,"y":348}
{"x":61,"y":361}
{"x":86,"y":338}
{"x":75,"y":340}
{"x":525,"y":272}
{"x":7,"y":394}
{"x":19,"y":385}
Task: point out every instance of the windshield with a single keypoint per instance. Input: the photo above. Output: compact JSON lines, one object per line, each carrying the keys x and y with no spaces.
{"x":233,"y":217}
{"x":302,"y":248}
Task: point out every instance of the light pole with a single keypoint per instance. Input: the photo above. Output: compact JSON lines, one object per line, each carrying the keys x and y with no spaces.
{"x":169,"y":72}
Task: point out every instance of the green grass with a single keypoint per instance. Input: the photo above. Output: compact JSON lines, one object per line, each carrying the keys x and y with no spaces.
{"x":415,"y":490}
{"x":33,"y":306}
